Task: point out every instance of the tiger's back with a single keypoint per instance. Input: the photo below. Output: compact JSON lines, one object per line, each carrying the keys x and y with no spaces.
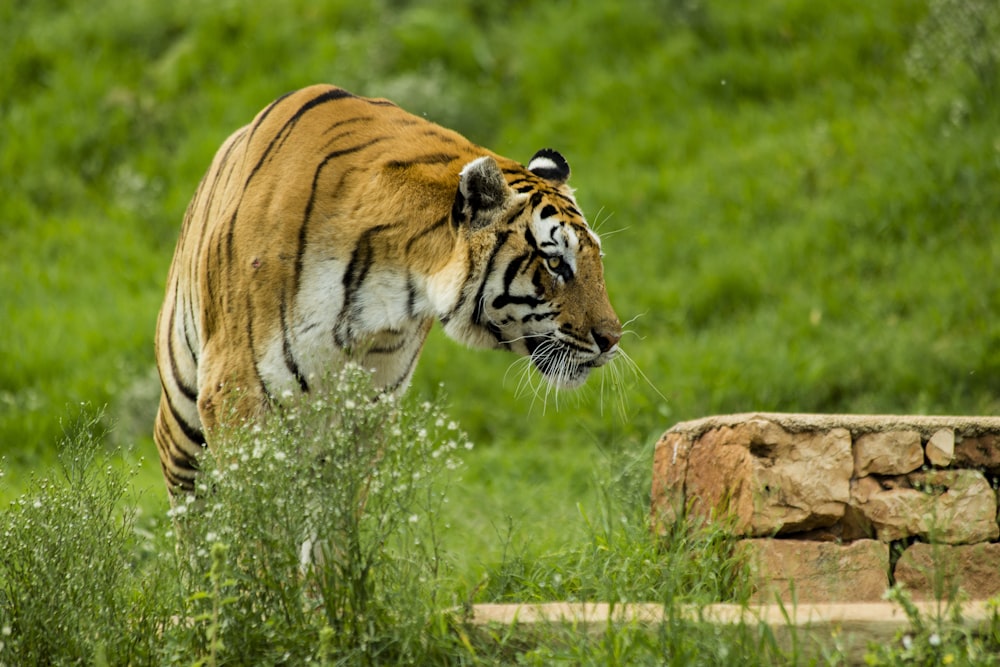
{"x":335,"y":226}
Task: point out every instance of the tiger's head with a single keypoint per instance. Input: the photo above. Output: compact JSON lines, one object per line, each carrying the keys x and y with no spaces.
{"x":535,"y":283}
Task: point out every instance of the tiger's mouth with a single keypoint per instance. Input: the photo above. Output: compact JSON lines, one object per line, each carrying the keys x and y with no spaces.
{"x":561,"y":364}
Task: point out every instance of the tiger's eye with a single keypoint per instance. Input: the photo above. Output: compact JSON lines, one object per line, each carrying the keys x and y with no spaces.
{"x":554,"y":262}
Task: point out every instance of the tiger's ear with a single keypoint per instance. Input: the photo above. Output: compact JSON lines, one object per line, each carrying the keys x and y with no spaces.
{"x":482,"y":193}
{"x":550,"y":165}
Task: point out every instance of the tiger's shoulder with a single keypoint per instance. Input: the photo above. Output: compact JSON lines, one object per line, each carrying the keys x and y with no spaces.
{"x":306,"y":136}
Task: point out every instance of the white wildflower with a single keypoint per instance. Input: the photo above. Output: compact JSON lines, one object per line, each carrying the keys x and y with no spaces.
{"x":934,"y":639}
{"x":414,"y":518}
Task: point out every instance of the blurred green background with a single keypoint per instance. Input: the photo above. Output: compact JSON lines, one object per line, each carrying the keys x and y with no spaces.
{"x":799,"y":203}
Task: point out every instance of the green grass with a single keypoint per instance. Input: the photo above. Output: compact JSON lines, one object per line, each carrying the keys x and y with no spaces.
{"x":798,"y":205}
{"x":85,"y":577}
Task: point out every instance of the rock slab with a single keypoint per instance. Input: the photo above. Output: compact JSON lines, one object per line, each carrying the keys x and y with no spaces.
{"x":792,"y":570}
{"x":932,"y":571}
{"x":838,"y":491}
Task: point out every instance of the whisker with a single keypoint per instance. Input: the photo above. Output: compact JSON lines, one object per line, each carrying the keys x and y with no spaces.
{"x":625,"y":324}
{"x":597,"y":223}
{"x":508,"y":341}
{"x":637,"y":372}
{"x":517,"y":361}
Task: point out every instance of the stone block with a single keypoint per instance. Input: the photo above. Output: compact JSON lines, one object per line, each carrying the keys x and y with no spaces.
{"x":942,"y":571}
{"x":940,"y":448}
{"x":719,"y":481}
{"x":670,"y":460}
{"x":768,"y":481}
{"x":887,"y":453}
{"x":981,"y":452}
{"x":818,"y":571}
{"x":949,"y":506}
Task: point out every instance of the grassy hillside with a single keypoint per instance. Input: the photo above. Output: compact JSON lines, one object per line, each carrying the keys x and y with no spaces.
{"x":799,"y":204}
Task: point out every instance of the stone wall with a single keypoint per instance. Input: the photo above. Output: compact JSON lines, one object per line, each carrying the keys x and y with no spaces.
{"x":837,"y":507}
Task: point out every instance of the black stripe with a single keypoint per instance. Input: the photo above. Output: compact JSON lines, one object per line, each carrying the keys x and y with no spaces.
{"x":508,"y":299}
{"x":463,"y":294}
{"x":477,"y":313}
{"x":348,"y":121}
{"x":231,"y":237}
{"x":536,"y":279}
{"x":569,"y":201}
{"x":183,"y":462}
{"x":304,"y":229}
{"x":424,"y":232}
{"x":223,"y":168}
{"x":189,"y":317}
{"x":189,"y":392}
{"x":508,"y":278}
{"x":574,"y":340}
{"x":441,"y":134}
{"x":431,"y":158}
{"x":458,"y":210}
{"x":267,"y":112}
{"x":512,"y":270}
{"x":286,"y":129}
{"x":286,"y":346}
{"x":253,"y":351}
{"x":411,"y":297}
{"x":203,"y":218}
{"x":529,"y":238}
{"x":192,"y":433}
{"x":407,"y":372}
{"x":538,"y":317}
{"x":357,"y":270}
{"x":390,"y":349}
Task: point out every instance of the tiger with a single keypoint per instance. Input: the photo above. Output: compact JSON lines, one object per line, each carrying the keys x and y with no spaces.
{"x":337,"y":228}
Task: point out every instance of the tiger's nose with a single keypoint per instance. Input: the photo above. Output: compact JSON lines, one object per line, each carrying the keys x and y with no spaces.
{"x":606,"y":336}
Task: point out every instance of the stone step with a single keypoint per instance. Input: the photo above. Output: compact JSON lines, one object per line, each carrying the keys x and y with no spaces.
{"x":812,"y":628}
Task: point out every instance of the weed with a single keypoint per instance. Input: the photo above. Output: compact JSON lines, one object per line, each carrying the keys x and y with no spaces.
{"x":317,"y":528}
{"x":69,"y":586}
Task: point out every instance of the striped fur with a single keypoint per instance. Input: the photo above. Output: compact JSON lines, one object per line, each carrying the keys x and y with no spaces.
{"x":340,"y":227}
